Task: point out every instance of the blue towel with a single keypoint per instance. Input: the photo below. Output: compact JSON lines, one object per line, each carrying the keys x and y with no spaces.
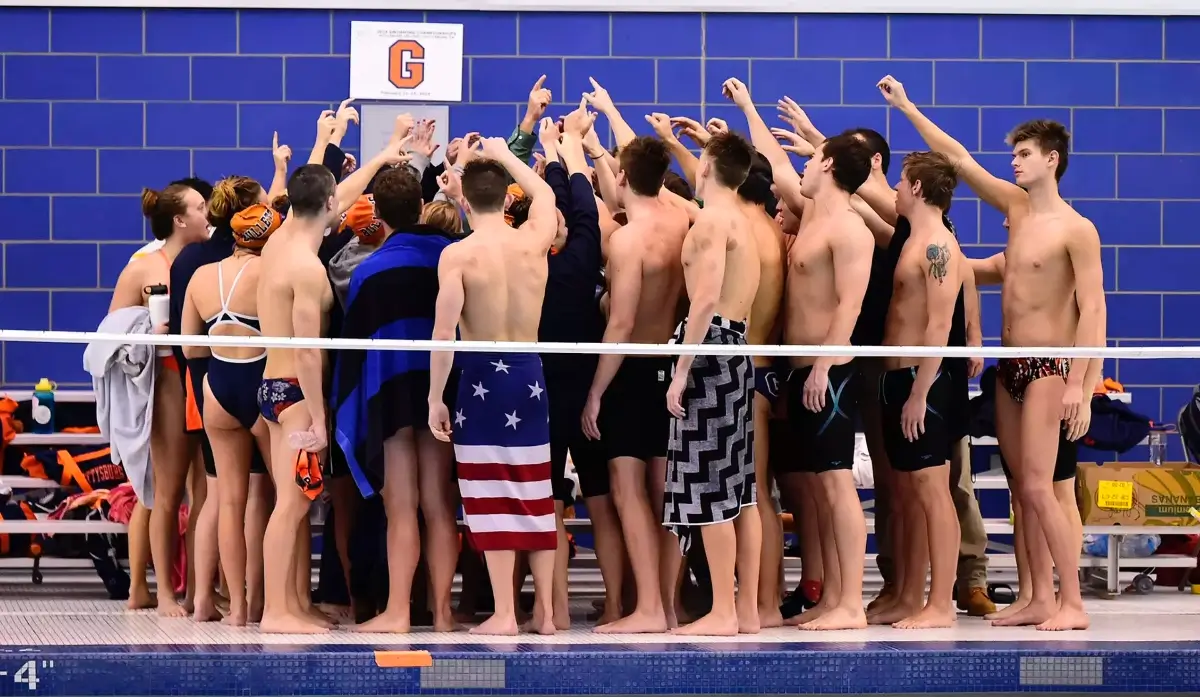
{"x":393,"y":295}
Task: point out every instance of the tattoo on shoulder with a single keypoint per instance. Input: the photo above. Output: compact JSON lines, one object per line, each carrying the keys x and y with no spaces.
{"x":938,"y":256}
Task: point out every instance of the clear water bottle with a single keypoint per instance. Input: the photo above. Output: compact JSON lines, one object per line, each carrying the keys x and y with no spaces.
{"x":43,"y":406}
{"x":1157,"y":440}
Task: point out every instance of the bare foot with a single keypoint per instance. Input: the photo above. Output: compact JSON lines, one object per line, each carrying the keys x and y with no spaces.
{"x":673,"y":617}
{"x":1067,"y":618}
{"x":390,"y":622}
{"x":189,"y":604}
{"x":1034,"y":613}
{"x":710,"y":625}
{"x":769,"y":617}
{"x":804,"y":618}
{"x":236,"y":618}
{"x":319,"y":618}
{"x":929,"y":617}
{"x":894,"y":613}
{"x":206,"y":610}
{"x":1017,"y":605}
{"x":747,"y":619}
{"x":545,"y":627}
{"x":222,"y":603}
{"x":445,"y":623}
{"x":839,"y":618}
{"x":607,"y":618}
{"x":638,"y":623}
{"x":290,"y":624}
{"x":256,"y":613}
{"x":140,"y":599}
{"x":886,"y":597}
{"x":497,"y":625}
{"x":167,"y":607}
{"x":562,"y":621}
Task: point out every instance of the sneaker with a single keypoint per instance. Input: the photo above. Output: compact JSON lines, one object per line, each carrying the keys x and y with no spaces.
{"x":977,"y":603}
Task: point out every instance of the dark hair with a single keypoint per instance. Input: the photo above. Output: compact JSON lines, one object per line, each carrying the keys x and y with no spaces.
{"x":161,"y":207}
{"x":231,"y":196}
{"x":757,"y":187}
{"x":1050,"y":136}
{"x":645,"y":163}
{"x":678,"y":185}
{"x":851,"y":161}
{"x":485,"y":185}
{"x":936,"y":175}
{"x":309,"y":189}
{"x":876,"y":142}
{"x":198,"y":185}
{"x":398,"y":198}
{"x":731,"y":156}
{"x":519,"y":211}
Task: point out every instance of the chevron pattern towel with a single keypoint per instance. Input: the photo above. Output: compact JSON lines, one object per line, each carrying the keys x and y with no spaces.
{"x":710,"y":465}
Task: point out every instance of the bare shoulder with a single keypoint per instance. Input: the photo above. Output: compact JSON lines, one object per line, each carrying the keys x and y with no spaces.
{"x":852,"y":232}
{"x":1083,"y":230}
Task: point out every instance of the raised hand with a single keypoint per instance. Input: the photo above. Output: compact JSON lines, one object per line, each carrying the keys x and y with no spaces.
{"x":451,"y":184}
{"x":539,"y":164}
{"x":494,"y":148}
{"x":452,"y":150}
{"x":792,"y":142}
{"x":282,"y":154}
{"x":326,"y":124}
{"x":737,"y":92}
{"x":661,"y":123}
{"x":598,"y":98}
{"x":467,"y":149}
{"x":717,"y":127}
{"x":579,"y":121}
{"x":692,"y":129}
{"x":346,"y":115}
{"x":349,"y":165}
{"x":404,"y":125}
{"x":790,"y":112}
{"x":893,"y":92}
{"x":539,"y":98}
{"x":592,"y":145}
{"x":422,"y":138}
{"x":548,"y":134}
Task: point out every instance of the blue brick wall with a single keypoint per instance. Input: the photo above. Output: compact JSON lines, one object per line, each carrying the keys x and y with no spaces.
{"x":98,"y":103}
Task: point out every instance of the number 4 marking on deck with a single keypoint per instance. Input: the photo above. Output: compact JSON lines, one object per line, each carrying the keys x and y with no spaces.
{"x":27,"y":674}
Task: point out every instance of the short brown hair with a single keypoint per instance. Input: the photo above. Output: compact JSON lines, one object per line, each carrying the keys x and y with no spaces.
{"x":161,"y":207}
{"x":1050,"y":136}
{"x":444,"y":216}
{"x":485,"y":185}
{"x":936,"y":175}
{"x":851,"y":157}
{"x":398,"y":197}
{"x":645,"y":162}
{"x":731,"y":156}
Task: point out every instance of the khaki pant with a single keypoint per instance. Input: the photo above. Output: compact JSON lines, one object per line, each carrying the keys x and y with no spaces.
{"x":972,"y":554}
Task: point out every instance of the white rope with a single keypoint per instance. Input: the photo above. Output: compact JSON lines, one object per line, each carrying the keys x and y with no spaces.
{"x":55,"y":337}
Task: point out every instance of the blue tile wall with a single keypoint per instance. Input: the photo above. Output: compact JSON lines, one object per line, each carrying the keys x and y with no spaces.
{"x":98,"y":103}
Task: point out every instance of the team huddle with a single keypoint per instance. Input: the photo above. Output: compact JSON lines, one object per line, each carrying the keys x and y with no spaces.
{"x":682,"y":461}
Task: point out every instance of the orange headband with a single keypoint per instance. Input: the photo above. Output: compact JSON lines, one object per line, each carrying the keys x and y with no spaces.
{"x":252,"y":226}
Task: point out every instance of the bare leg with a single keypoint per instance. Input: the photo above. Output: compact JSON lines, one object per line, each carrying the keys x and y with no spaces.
{"x":345,"y":497}
{"x":809,"y":532}
{"x":501,"y":566}
{"x":541,"y":565}
{"x":562,"y":557}
{"x":670,"y":557}
{"x":720,"y":550}
{"x":439,"y":499}
{"x":139,"y":559}
{"x":830,"y":562}
{"x":259,"y":503}
{"x":1024,"y":583}
{"x":844,"y":611}
{"x":205,"y":609}
{"x":401,"y":497}
{"x":942,"y":537}
{"x":912,"y":554}
{"x":197,"y":493}
{"x":610,"y":554}
{"x":232,"y":448}
{"x":283,"y":528}
{"x":747,"y":529}
{"x":771,"y":557}
{"x":1064,"y":491}
{"x":642,"y":537}
{"x":886,"y":534}
{"x":170,"y":458}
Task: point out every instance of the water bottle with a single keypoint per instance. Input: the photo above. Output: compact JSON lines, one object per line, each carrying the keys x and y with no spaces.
{"x":159,"y":304}
{"x":1157,"y":441}
{"x":43,"y":406}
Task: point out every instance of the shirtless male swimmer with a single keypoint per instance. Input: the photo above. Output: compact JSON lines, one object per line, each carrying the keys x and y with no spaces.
{"x":1053,"y":296}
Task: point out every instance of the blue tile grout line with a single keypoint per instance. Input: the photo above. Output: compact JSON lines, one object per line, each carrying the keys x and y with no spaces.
{"x":644,"y":669}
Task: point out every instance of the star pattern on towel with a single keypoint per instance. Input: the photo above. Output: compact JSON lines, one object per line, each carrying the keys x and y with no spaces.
{"x":480,"y":390}
{"x":512,"y":419}
{"x":500,"y":366}
{"x":459,"y":419}
{"x":535,"y":391}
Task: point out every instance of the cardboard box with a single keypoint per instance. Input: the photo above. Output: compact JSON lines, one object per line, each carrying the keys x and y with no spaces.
{"x":1138,"y":493}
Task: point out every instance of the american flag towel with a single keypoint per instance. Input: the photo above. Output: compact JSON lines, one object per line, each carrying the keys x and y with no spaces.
{"x":501,"y":432}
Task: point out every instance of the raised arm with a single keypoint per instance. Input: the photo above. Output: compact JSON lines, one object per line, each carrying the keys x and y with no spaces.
{"x":392,"y":154}
{"x":281,"y":154}
{"x":880,"y":228}
{"x":600,"y":100}
{"x":624,"y":292}
{"x":881,"y":199}
{"x":663,"y":128}
{"x":1001,"y":195}
{"x":448,"y":312}
{"x":542,"y":217}
{"x":787,"y":180}
{"x":308,"y":315}
{"x":974,"y":317}
{"x":1083,"y":247}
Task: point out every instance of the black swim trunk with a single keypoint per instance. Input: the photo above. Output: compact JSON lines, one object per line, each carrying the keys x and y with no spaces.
{"x":932,"y":448}
{"x":1065,"y":464}
{"x":958,"y":418}
{"x":824,"y":440}
{"x":634,"y":421}
{"x":567,"y":394}
{"x":766,"y":383}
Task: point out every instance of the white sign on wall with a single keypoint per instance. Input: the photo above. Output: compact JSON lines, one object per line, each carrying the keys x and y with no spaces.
{"x":376,"y":122}
{"x":406,"y":61}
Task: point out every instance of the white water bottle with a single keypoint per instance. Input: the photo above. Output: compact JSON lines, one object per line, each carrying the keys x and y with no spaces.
{"x":159,"y":303}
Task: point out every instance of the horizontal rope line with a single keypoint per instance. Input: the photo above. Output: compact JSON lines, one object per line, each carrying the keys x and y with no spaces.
{"x":54,"y":337}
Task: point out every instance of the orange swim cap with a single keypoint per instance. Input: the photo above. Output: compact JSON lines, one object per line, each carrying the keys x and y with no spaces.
{"x":362,"y":221}
{"x":252,"y":226}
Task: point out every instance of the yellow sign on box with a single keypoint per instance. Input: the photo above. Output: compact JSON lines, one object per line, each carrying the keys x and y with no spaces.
{"x":1115,"y":496}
